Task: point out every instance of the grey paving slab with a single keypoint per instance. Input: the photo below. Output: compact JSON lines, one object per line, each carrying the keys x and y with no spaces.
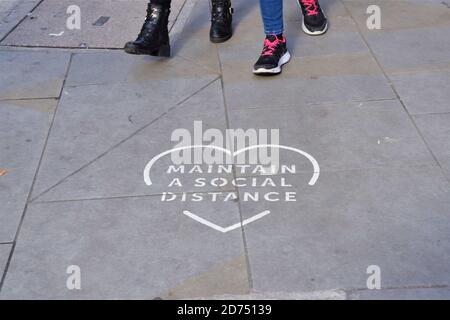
{"x":23,"y":129}
{"x":342,"y":136}
{"x":120,"y":172}
{"x":32,"y":74}
{"x":352,"y":77}
{"x":94,"y":118}
{"x":436,"y":130}
{"x":397,"y":219}
{"x":332,"y":43}
{"x":409,"y":50}
{"x":401,"y":14}
{"x":112,"y":67}
{"x":419,"y":98}
{"x":403,"y":43}
{"x":315,"y":295}
{"x":403,"y":294}
{"x":4,"y":255}
{"x":46,"y":24}
{"x":125,"y":248}
{"x":191,"y":41}
{"x":12,"y":12}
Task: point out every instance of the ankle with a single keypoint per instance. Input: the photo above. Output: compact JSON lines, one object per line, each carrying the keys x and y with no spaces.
{"x":278,"y":36}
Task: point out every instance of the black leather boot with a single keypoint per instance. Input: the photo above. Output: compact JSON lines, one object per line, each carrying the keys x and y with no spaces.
{"x":221,"y":18}
{"x":154,"y":36}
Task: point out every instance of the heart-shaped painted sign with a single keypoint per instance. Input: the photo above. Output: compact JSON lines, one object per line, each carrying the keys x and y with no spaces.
{"x":312,"y":181}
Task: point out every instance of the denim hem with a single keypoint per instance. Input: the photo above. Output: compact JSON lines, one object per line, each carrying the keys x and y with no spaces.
{"x":273,"y":32}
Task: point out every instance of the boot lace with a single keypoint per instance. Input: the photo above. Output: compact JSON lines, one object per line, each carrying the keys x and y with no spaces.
{"x":219,"y":10}
{"x":152,"y":14}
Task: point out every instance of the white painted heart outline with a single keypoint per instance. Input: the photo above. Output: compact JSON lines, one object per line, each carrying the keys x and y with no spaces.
{"x":258,"y":216}
{"x":227,"y":229}
{"x":314,"y":162}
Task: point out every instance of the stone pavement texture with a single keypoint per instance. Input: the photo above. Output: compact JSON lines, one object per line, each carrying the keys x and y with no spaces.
{"x":79,"y":119}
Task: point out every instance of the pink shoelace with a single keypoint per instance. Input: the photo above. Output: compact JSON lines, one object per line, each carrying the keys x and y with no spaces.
{"x":311,"y":7}
{"x":269,"y":46}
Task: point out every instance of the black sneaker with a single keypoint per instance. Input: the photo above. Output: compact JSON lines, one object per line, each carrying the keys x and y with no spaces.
{"x":314,"y":20}
{"x":273,"y":56}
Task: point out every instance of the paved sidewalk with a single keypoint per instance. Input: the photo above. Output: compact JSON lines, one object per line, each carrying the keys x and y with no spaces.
{"x":80,"y":119}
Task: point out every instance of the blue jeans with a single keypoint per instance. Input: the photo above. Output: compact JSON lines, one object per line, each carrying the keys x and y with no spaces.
{"x":272,"y":16}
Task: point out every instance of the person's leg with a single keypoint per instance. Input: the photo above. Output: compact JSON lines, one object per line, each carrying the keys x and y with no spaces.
{"x":314,"y":20}
{"x":154,"y":36}
{"x":272,"y":16}
{"x":274,"y":54}
{"x":221,"y":20}
{"x":161,"y":2}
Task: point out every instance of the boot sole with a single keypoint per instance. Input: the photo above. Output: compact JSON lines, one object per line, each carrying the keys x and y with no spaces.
{"x":163,"y":51}
{"x":220,"y":40}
